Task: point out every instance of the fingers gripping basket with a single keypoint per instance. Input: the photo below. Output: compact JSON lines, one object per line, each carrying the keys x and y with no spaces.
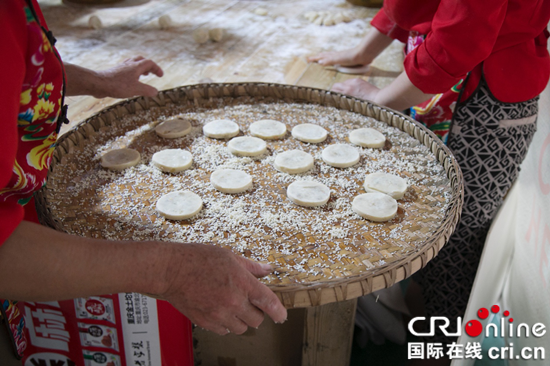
{"x":321,"y":255}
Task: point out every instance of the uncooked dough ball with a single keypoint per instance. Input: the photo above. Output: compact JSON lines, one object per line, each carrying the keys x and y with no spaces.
{"x":94,"y":22}
{"x":172,"y":160}
{"x":120,"y":159}
{"x":308,"y":193}
{"x":293,"y":162}
{"x":387,"y":183}
{"x":216,"y":34}
{"x":367,"y":137}
{"x":201,"y":35}
{"x":247,"y":146}
{"x":375,"y":206}
{"x":221,"y":129}
{"x":340,"y":155}
{"x":261,"y":11}
{"x":231,"y":180}
{"x":268,"y":129}
{"x":308,"y":132}
{"x":165,"y":22}
{"x":179,"y":205}
{"x":173,"y":128}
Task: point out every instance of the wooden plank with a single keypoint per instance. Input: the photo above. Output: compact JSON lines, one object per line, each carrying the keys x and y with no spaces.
{"x":328,"y":333}
{"x":317,"y":76}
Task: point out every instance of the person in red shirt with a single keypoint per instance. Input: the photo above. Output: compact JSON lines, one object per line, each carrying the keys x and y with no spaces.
{"x":472,"y":74}
{"x":40,"y":264}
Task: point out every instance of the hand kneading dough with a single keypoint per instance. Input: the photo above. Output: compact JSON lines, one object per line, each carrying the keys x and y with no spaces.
{"x":375,"y":206}
{"x":308,"y":132}
{"x":221,"y":129}
{"x":231,"y":181}
{"x":340,"y":155}
{"x":308,"y":193}
{"x":179,"y":205}
{"x":367,"y":137}
{"x":247,"y":146}
{"x":172,"y":160}
{"x":293,"y":162}
{"x":173,"y":128}
{"x":268,"y":129}
{"x":387,"y":183}
{"x":120,"y":159}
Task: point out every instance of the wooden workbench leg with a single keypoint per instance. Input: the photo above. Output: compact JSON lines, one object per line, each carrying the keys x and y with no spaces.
{"x":328,"y":334}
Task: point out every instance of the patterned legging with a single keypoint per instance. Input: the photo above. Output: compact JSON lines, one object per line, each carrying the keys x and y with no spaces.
{"x":489,"y":140}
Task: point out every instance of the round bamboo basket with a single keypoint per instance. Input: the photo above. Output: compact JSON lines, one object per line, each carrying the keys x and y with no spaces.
{"x":394,"y":260}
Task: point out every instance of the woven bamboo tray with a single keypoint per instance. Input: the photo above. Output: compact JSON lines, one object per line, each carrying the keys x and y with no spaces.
{"x":321,"y":255}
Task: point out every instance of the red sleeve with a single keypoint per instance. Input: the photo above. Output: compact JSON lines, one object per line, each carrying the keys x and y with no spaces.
{"x":463,"y":35}
{"x":13,"y":49}
{"x":386,"y":26}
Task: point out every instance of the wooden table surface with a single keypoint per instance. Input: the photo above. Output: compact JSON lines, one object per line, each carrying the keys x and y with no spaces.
{"x":270,"y":48}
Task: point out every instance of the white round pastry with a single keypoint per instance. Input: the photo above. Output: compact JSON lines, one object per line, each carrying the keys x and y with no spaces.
{"x":340,"y":155}
{"x":386,"y":183}
{"x":293,"y":162}
{"x":358,"y":70}
{"x":375,"y":206}
{"x":221,"y":129}
{"x":268,"y":129}
{"x":172,"y":160}
{"x":247,"y":146}
{"x":179,"y":205}
{"x":173,"y":128}
{"x":231,"y":181}
{"x":367,"y":137}
{"x":308,"y":132}
{"x":120,"y":159}
{"x":308,"y":193}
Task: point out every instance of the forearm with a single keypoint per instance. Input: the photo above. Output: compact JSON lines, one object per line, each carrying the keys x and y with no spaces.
{"x":41,"y":264}
{"x":372,"y":45}
{"x":82,"y":81}
{"x":400,"y":94}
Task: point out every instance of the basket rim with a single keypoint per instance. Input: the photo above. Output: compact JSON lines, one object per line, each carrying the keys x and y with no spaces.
{"x":431,"y":244}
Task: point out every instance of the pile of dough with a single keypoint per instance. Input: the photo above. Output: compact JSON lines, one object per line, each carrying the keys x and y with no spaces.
{"x":173,"y":128}
{"x":375,"y":206}
{"x":268,"y":129}
{"x":308,"y":193}
{"x":231,"y":181}
{"x":201,"y":35}
{"x":386,"y":183}
{"x":367,"y":137}
{"x":221,"y":129}
{"x":120,"y":159}
{"x":179,"y":205}
{"x":216,"y":34}
{"x":172,"y":160}
{"x":327,"y":18}
{"x":308,"y":132}
{"x":261,"y":11}
{"x":294,"y":162}
{"x":247,"y":146}
{"x":165,"y":22}
{"x":340,"y":155}
{"x":94,"y":22}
